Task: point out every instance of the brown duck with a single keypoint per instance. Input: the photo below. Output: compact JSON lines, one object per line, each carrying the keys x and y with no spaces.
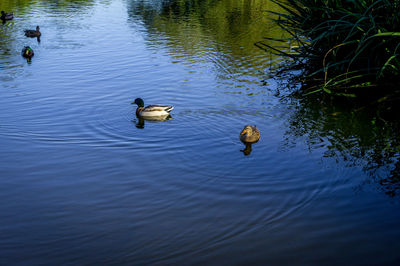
{"x":33,"y":33}
{"x":249,"y":134}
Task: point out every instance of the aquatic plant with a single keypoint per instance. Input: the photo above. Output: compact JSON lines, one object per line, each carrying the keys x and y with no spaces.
{"x":344,"y":47}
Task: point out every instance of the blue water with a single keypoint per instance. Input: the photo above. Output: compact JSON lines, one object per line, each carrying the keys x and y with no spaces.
{"x":82,"y":183}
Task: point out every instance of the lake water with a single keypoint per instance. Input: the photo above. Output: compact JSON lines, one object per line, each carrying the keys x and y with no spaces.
{"x":81,"y":182}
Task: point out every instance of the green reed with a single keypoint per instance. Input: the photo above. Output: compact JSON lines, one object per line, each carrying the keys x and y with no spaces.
{"x":344,"y":47}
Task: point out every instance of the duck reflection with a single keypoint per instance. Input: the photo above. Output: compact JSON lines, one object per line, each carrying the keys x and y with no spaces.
{"x":249,"y":135}
{"x":140,"y":121}
{"x":247,"y":150}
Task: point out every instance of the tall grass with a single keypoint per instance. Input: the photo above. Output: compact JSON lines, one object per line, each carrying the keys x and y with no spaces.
{"x":345,"y":47}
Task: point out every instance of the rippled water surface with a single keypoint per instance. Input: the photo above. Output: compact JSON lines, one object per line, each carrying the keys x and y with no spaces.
{"x":82,"y":182}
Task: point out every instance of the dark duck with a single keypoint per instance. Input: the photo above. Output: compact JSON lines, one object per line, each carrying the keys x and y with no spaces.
{"x":27,"y":52}
{"x":33,"y":33}
{"x":6,"y":16}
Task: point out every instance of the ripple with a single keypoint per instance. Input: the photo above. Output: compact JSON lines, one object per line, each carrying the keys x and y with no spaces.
{"x":172,"y":190}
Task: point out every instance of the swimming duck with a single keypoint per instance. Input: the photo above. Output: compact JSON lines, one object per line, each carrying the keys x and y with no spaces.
{"x":33,"y":33}
{"x":249,"y":134}
{"x":153,"y":112}
{"x":27,"y":52}
{"x":6,"y":16}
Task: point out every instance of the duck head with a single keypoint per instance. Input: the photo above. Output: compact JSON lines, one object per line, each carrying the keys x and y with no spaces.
{"x":37,"y":28}
{"x":139,"y":102}
{"x":247,"y":131}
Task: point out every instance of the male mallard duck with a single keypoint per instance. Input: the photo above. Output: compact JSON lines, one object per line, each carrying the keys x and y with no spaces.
{"x":6,"y":16}
{"x":152,"y":111}
{"x":249,"y":134}
{"x":27,"y":52}
{"x":33,"y":33}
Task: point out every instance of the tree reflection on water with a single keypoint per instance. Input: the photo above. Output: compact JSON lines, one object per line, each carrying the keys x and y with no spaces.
{"x":365,"y":136}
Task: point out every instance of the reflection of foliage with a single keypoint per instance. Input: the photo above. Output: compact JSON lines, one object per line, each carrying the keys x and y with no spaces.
{"x":235,"y":24}
{"x":26,"y":4}
{"x":23,"y":10}
{"x":217,"y":33}
{"x":391,"y":184}
{"x":357,"y":136}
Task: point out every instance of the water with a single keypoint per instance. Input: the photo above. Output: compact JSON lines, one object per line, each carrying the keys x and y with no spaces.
{"x":82,"y":183}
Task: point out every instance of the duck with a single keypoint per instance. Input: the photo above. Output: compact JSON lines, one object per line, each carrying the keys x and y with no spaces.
{"x":27,"y":52}
{"x":250,"y":134}
{"x":152,"y":112}
{"x":33,"y":33}
{"x":6,"y":16}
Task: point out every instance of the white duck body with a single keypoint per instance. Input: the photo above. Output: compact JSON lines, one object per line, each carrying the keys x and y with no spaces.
{"x":155,"y":111}
{"x":152,"y":112}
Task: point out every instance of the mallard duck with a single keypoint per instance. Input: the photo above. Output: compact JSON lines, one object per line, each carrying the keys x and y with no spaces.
{"x":249,"y":134}
{"x":152,"y":111}
{"x":27,"y":52}
{"x":33,"y":33}
{"x":6,"y":16}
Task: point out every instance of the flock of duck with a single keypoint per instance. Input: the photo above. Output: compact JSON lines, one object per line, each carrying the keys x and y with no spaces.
{"x":249,"y":134}
{"x":27,"y":51}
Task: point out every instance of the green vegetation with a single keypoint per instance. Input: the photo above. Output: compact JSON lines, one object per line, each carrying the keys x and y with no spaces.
{"x":345,"y":47}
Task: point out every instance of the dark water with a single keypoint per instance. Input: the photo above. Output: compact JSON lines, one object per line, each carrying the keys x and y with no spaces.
{"x":80,"y":183}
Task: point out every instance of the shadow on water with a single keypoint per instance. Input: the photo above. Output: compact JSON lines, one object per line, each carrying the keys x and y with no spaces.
{"x":356,"y":135}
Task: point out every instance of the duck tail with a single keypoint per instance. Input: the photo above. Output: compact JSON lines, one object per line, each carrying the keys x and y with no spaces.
{"x":169,"y":109}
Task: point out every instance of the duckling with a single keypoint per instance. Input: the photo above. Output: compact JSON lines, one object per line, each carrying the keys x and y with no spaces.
{"x":249,"y":134}
{"x":27,"y":52}
{"x":6,"y":16}
{"x":152,"y":112}
{"x":33,"y":33}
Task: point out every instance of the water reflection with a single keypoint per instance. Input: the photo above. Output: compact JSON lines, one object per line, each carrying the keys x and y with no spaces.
{"x":58,"y":19}
{"x":358,"y":136}
{"x":219,"y":33}
{"x":247,"y":150}
{"x":140,"y":122}
{"x":75,"y":169}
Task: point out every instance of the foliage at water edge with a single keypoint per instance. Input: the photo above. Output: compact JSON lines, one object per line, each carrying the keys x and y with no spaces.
{"x":344,"y":47}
